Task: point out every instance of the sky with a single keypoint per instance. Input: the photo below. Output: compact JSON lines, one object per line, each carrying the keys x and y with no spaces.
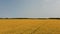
{"x":29,"y":8}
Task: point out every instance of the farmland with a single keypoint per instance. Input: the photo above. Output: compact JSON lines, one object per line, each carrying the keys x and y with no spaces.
{"x":29,"y":26}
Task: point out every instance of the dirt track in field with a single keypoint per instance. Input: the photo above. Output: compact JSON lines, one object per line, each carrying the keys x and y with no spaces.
{"x":28,"y":26}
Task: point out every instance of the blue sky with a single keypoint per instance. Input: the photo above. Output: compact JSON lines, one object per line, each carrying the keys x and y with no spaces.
{"x":29,"y":8}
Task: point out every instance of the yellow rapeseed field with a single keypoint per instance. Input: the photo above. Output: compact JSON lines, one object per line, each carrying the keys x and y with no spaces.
{"x":29,"y":26}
